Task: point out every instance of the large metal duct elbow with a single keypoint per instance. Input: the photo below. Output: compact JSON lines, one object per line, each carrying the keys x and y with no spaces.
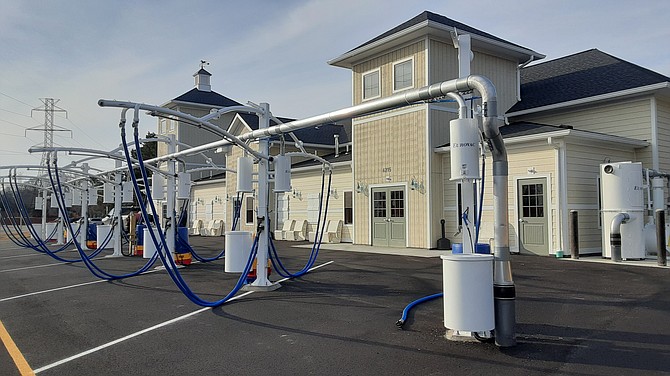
{"x":615,"y":235}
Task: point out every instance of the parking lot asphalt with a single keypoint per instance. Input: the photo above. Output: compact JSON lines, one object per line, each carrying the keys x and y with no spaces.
{"x":573,"y":318}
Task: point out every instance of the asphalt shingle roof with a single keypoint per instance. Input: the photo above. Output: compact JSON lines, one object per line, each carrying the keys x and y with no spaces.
{"x":582,"y":75}
{"x":430,"y":16}
{"x":322,"y":134}
{"x":343,"y":157}
{"x":206,"y":97}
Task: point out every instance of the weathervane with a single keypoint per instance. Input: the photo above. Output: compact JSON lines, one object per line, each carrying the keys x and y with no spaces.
{"x":203,"y":63}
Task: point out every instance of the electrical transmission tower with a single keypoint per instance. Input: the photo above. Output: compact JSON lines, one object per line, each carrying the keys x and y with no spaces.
{"x":48,"y":127}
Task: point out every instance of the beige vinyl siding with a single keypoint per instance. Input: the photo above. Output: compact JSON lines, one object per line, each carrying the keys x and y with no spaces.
{"x":535,"y":155}
{"x":444,"y":66}
{"x":663,"y":133}
{"x":385,"y":62}
{"x":395,"y":142}
{"x":583,"y":162}
{"x":211,"y":207}
{"x":194,"y":136}
{"x":502,"y":73}
{"x":308,"y":183}
{"x":630,"y":119}
{"x":443,"y":63}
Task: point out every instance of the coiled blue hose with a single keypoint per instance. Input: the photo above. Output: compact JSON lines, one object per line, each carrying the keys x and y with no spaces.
{"x":163,"y":250}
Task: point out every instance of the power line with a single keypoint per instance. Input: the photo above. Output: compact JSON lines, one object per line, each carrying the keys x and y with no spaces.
{"x":16,"y":113}
{"x":83,"y":132}
{"x":10,"y":122}
{"x":18,"y":100}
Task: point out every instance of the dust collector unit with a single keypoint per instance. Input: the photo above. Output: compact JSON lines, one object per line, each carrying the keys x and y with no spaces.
{"x":622,"y":191}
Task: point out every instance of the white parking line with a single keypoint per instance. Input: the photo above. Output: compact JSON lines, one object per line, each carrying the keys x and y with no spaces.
{"x":32,"y":267}
{"x":147,"y":330}
{"x":9,"y":257}
{"x":51,"y":290}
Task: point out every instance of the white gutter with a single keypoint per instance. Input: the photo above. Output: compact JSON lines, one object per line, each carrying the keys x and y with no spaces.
{"x":319,"y":167}
{"x":596,"y":98}
{"x":435,"y":25}
{"x":564,"y":133}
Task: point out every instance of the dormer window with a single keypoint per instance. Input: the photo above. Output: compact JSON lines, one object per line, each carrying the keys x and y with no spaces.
{"x":403,"y":75}
{"x":371,"y":85}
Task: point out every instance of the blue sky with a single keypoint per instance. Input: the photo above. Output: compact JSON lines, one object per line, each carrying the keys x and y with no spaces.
{"x":261,"y":51}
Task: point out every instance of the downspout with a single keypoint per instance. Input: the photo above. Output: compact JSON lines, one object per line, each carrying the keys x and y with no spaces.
{"x":518,"y":76}
{"x":615,"y":235}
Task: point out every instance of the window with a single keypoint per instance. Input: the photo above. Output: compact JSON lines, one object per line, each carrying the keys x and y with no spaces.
{"x":371,"y":85}
{"x":397,"y":204}
{"x":403,"y":77}
{"x":532,"y":197}
{"x":348,"y":207}
{"x":162,"y":127}
{"x":249,"y":212}
{"x":171,"y":125}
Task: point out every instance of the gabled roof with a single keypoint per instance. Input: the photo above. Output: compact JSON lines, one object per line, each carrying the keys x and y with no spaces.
{"x":319,"y":135}
{"x":430,"y":16}
{"x":202,"y":71}
{"x":429,"y":23}
{"x":211,"y":98}
{"x":582,"y":75}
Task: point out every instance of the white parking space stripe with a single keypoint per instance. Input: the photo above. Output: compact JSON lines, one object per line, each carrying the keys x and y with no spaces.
{"x":147,"y":330}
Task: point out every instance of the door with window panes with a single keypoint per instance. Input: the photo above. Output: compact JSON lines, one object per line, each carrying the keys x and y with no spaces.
{"x":388,"y":217}
{"x":533,"y":216}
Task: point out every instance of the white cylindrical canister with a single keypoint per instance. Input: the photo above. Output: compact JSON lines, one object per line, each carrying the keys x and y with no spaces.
{"x":468,"y":292}
{"x":157,"y":187}
{"x":54,"y":202}
{"x":102,"y":232}
{"x":238,"y":247}
{"x":245,"y":168}
{"x":464,"y":142}
{"x":108,"y":193}
{"x":92,"y":196}
{"x":76,"y":197}
{"x":183,"y":185}
{"x":622,"y":191}
{"x":127,"y":192}
{"x":282,"y":173}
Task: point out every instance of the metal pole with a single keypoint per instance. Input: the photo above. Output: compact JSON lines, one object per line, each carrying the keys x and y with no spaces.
{"x":117,"y":212}
{"x":84,"y":209}
{"x":262,"y":282}
{"x":660,"y":237}
{"x":171,"y":231}
{"x":573,"y":229}
{"x":44,"y":232}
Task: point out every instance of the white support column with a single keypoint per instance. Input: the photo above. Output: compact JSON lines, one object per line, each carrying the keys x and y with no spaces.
{"x":469,"y":229}
{"x":117,"y":212}
{"x":170,"y":197}
{"x":44,"y":232}
{"x":61,"y":222}
{"x":467,"y":186}
{"x":84,"y":209}
{"x":262,"y":282}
